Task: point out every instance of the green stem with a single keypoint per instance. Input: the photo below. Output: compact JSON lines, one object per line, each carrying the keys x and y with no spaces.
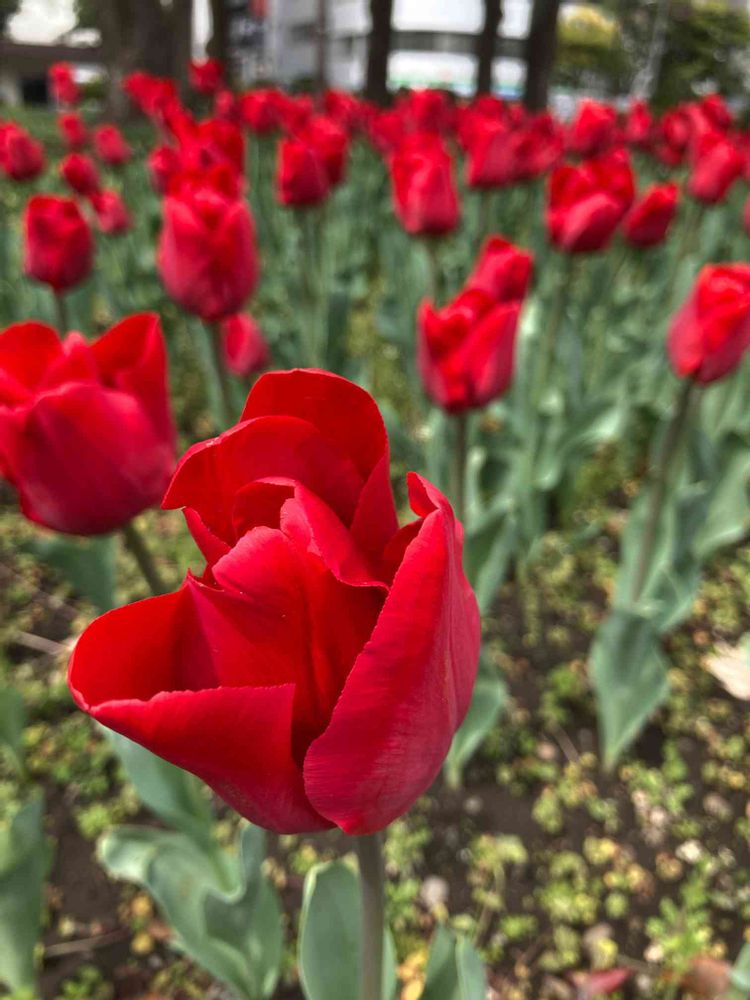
{"x":223,"y":382}
{"x":61,"y":313}
{"x":435,"y":283}
{"x":136,"y":544}
{"x":372,"y":879}
{"x":664,"y":464}
{"x":312,"y":317}
{"x":458,"y":470}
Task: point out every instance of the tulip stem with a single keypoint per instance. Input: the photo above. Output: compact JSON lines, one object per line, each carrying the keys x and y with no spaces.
{"x":372,"y":880}
{"x":61,"y":313}
{"x":137,"y":547}
{"x":664,"y":465}
{"x":226,"y":404}
{"x":458,"y":471}
{"x":435,"y":286}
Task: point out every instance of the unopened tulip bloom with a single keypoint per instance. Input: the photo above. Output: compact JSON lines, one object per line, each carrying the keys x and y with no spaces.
{"x":86,"y":435}
{"x":594,"y":128}
{"x":111,"y":146}
{"x":302,"y":177}
{"x":244,"y":347}
{"x":332,"y":144}
{"x":72,"y":130}
{"x":207,"y":256}
{"x":711,"y":332}
{"x":648,"y":221}
{"x":466,"y":350}
{"x":58,"y":248}
{"x":112,"y":216}
{"x":206,"y":76}
{"x":424,"y":191}
{"x":164,"y":163}
{"x":21,"y":157}
{"x":639,"y":125}
{"x":502,"y":271}
{"x":716,"y":166}
{"x":587,"y":202}
{"x":80,"y":174}
{"x":63,"y":85}
{"x":315,"y":673}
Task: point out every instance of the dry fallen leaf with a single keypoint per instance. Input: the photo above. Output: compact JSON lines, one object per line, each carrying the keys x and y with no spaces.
{"x":590,"y":985}
{"x":707,"y":978}
{"x":730,"y":665}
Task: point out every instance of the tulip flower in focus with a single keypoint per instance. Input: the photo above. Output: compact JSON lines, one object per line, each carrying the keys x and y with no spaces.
{"x":424,"y":192}
{"x":711,"y":332}
{"x":58,"y":247}
{"x":293,"y":511}
{"x":648,"y":221}
{"x":80,"y":174}
{"x":244,"y":347}
{"x":72,"y":130}
{"x":207,"y":256}
{"x":587,"y":202}
{"x":110,"y":145}
{"x":86,"y":435}
{"x":112,"y":216}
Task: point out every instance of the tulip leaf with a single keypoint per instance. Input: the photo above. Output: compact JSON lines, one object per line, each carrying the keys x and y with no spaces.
{"x":454,"y":969}
{"x":24,"y":861}
{"x":330,"y":936}
{"x":12,"y":723}
{"x":629,"y":673}
{"x":88,"y":565}
{"x":740,"y":974}
{"x":176,"y":796}
{"x":225,"y":914}
{"x":487,"y":702}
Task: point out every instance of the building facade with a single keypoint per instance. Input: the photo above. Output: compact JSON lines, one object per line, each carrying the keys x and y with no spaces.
{"x":433,"y":43}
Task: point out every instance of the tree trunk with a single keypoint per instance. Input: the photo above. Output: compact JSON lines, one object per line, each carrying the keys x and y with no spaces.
{"x":321,"y":65}
{"x":486,"y":45}
{"x":541,"y":47}
{"x":376,"y":86}
{"x":150,"y":29}
{"x":182,"y":33}
{"x":218,"y":46}
{"x":646,"y":80}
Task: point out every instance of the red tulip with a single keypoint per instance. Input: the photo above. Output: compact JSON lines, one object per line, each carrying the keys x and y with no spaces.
{"x":206,"y":76}
{"x":207,"y":255}
{"x":648,"y":221}
{"x":62,"y":83}
{"x":332,"y":143}
{"x":587,"y":202}
{"x":491,"y":162}
{"x":111,"y":146}
{"x":164,"y":163}
{"x":245,"y":349}
{"x":86,"y":435}
{"x":502,"y":271}
{"x":21,"y":157}
{"x":716,"y":166}
{"x":73,"y":130}
{"x":386,"y":131}
{"x":426,"y":111}
{"x":715,"y":108}
{"x":112,"y":215}
{"x":302,"y":177}
{"x":315,"y":674}
{"x":711,"y":332}
{"x":151,"y":94}
{"x":80,"y":174}
{"x":673,"y":136}
{"x":226,"y":107}
{"x":639,"y":125}
{"x":261,"y":111}
{"x":538,"y":146}
{"x":211,"y":142}
{"x":58,"y":248}
{"x":594,"y":129}
{"x":424,"y":192}
{"x":466,"y":351}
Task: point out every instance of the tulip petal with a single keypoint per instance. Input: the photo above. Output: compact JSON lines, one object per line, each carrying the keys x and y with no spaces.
{"x":409,"y":688}
{"x":237,"y":739}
